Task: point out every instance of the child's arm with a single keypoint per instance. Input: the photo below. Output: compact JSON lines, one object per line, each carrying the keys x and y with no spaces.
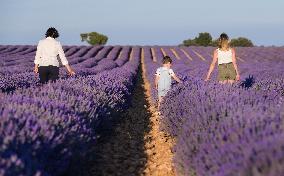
{"x":212,"y":65}
{"x":157,"y":77}
{"x":176,"y":78}
{"x":156,"y":81}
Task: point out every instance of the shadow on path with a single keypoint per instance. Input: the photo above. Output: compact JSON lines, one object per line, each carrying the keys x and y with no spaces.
{"x":121,"y":148}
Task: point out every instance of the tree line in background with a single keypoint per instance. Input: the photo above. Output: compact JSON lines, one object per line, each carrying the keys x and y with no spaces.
{"x":205,"y":39}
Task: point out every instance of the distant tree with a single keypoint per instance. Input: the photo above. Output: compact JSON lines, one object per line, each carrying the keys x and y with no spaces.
{"x":203,"y":39}
{"x":241,"y":41}
{"x":189,"y":42}
{"x":84,"y":36}
{"x":214,"y":43}
{"x":94,"y":38}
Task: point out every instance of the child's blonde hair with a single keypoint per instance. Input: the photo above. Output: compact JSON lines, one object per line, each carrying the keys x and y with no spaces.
{"x":224,"y":41}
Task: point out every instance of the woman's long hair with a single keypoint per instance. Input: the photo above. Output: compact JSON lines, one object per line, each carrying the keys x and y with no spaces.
{"x":223,"y":41}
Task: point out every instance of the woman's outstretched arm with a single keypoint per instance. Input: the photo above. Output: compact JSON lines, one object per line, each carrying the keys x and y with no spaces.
{"x":70,"y":70}
{"x":235,"y":65}
{"x":37,"y":57}
{"x":64,"y":60}
{"x":212,"y":65}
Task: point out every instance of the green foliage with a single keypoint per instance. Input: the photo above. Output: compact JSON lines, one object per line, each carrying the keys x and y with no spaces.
{"x":241,"y":41}
{"x":84,"y":37}
{"x":189,"y":42}
{"x":94,"y":38}
{"x":205,"y":39}
{"x":214,"y":43}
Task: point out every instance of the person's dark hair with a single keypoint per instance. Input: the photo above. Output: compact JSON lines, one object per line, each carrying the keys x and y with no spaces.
{"x":167,"y":59}
{"x":223,"y":40}
{"x":52,"y":32}
{"x":224,"y":36}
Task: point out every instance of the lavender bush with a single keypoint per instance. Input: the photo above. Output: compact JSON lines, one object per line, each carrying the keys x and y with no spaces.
{"x":43,"y":126}
{"x":223,"y":129}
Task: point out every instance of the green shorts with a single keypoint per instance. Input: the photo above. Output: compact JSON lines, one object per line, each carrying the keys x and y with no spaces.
{"x":226,"y":72}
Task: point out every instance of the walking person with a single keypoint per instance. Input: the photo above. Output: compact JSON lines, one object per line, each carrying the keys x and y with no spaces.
{"x":164,"y":77}
{"x":227,"y":65}
{"x":46,"y":59}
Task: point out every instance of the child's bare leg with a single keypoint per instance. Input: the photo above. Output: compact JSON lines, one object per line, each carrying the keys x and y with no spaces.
{"x":159,"y":102}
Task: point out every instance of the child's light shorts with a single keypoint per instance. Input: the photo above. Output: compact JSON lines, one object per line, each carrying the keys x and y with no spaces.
{"x":162,"y":92}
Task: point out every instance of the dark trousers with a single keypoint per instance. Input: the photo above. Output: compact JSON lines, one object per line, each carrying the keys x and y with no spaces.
{"x":48,"y":73}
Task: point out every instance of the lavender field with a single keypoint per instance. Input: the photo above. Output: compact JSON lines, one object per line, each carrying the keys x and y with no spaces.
{"x":43,"y":126}
{"x":219,"y":129}
{"x":223,"y":129}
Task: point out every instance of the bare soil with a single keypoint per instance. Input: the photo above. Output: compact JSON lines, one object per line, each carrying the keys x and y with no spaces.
{"x":132,"y":145}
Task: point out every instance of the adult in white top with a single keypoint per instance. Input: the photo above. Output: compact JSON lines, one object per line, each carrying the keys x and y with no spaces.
{"x":227,"y":64}
{"x":46,"y":60}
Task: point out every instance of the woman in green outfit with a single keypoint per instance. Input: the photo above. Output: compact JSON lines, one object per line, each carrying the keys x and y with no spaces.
{"x":227,"y":65}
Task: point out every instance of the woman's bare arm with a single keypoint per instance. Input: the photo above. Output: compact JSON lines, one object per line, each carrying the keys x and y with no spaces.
{"x":235,"y":64}
{"x":70,"y":70}
{"x":212,"y":65}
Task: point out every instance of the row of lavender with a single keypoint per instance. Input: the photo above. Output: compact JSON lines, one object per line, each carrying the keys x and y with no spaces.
{"x":43,"y":126}
{"x":224,"y":129}
{"x":16,"y":62}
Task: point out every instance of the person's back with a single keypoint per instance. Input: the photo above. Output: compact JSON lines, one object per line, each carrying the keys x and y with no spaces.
{"x":225,"y":57}
{"x":46,"y":60}
{"x":164,"y":77}
{"x":50,"y":50}
{"x":164,"y":83}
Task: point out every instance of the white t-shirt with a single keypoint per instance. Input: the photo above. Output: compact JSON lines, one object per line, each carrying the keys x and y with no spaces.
{"x":159,"y":70}
{"x":225,"y":57}
{"x":164,"y":83}
{"x":47,"y":51}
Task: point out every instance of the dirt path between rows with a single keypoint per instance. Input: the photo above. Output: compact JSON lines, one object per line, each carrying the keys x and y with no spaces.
{"x":159,"y":147}
{"x":133,"y":145}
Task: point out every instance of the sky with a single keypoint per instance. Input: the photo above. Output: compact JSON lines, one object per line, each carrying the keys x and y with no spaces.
{"x":141,"y":22}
